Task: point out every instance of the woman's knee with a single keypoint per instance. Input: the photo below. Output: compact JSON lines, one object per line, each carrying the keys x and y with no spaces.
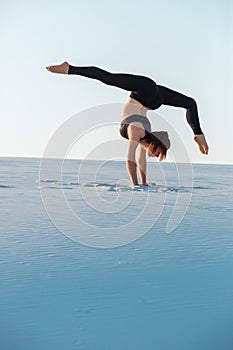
{"x":192,"y":103}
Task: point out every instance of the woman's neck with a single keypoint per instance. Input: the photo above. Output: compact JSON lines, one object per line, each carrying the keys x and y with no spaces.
{"x":144,"y":143}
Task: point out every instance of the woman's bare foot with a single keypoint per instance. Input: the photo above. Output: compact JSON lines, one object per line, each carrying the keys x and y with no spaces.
{"x":201,"y":141}
{"x":62,"y":68}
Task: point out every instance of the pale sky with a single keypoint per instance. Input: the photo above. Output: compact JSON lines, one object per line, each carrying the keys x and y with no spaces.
{"x":184,"y":45}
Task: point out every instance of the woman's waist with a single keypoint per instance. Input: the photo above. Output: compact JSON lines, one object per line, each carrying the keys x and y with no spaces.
{"x":133,"y":107}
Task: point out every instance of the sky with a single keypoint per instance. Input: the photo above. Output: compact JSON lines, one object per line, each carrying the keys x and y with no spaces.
{"x":184,"y":45}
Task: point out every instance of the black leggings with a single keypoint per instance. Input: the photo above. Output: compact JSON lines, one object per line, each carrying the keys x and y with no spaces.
{"x":144,"y":90}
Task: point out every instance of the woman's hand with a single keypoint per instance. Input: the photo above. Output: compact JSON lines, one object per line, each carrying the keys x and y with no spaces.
{"x":201,"y":141}
{"x":148,"y":184}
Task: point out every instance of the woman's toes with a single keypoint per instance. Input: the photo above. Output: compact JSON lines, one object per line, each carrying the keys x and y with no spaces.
{"x":62,"y":68}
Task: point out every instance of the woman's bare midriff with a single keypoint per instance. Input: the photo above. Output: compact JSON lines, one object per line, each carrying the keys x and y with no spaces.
{"x":133,"y":107}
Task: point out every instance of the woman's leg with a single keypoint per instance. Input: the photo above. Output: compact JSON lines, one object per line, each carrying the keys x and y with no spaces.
{"x":176,"y":99}
{"x":129,"y":82}
{"x":139,"y":84}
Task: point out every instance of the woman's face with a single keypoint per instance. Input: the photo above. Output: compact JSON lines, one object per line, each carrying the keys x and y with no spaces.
{"x":155,"y":154}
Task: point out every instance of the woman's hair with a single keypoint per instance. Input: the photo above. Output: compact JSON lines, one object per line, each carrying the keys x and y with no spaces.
{"x":158,"y":139}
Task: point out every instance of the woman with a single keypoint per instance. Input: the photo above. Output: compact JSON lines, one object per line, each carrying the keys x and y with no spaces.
{"x":145,"y":95}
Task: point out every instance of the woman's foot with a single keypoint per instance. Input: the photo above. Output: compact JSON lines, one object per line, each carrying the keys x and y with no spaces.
{"x":62,"y":68}
{"x":201,"y":141}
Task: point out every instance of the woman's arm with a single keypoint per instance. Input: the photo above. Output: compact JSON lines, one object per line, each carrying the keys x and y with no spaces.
{"x":142,"y":165}
{"x":135,"y":132}
{"x":131,"y":162}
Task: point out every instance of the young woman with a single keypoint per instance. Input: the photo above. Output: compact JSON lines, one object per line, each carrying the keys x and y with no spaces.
{"x":135,"y":126}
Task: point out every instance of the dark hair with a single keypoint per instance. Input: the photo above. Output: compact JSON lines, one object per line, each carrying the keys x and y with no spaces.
{"x":158,"y":139}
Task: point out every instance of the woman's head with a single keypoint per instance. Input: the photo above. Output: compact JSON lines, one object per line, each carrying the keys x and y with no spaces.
{"x":159,"y":143}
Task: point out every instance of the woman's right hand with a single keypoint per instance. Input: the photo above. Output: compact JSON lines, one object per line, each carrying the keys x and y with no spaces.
{"x":201,"y":141}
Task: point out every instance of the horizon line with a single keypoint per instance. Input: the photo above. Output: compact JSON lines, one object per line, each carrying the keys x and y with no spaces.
{"x":81,"y":159}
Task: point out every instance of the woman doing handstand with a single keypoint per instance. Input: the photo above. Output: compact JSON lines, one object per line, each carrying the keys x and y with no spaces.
{"x":135,"y":126}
